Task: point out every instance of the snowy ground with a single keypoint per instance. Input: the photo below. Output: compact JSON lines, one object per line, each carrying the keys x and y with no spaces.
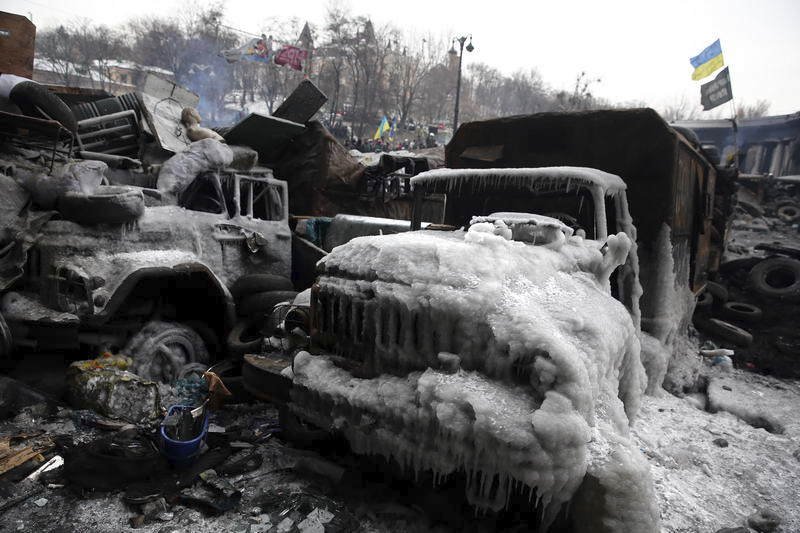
{"x":701,"y":486}
{"x":704,"y":487}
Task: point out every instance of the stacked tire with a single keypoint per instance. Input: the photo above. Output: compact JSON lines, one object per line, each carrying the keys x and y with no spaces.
{"x":256,"y":296}
{"x":713,"y":300}
{"x":108,"y":204}
{"x":776,"y":278}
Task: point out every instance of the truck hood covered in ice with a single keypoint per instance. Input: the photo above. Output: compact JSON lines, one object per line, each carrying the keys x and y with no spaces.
{"x":466,"y":259}
{"x":549,"y":373}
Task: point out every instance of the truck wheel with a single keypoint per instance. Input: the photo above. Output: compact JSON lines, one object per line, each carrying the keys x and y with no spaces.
{"x":263,"y":302}
{"x":245,"y":337}
{"x":161,"y":349}
{"x":108,"y":205}
{"x":718,"y":291}
{"x":777,"y":277}
{"x":253,"y":283}
{"x":742,"y":312}
{"x":725,"y":331}
{"x":5,"y":339}
{"x":789,"y":213}
{"x":34,"y":99}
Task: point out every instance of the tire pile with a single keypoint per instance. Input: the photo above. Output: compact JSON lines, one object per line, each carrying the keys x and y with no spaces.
{"x":754,"y":309}
{"x":256,"y":296}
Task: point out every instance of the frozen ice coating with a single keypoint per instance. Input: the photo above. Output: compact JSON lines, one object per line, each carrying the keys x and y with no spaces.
{"x":519,"y":176}
{"x":667,"y":323}
{"x":549,"y":374}
{"x":164,"y":237}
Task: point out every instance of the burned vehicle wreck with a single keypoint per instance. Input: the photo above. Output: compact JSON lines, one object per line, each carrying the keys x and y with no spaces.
{"x":495,"y":351}
{"x":129,"y":269}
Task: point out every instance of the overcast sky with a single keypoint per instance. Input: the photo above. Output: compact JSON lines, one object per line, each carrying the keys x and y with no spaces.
{"x":639,"y":49}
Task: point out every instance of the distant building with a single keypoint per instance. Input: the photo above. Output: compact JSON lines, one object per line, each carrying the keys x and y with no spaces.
{"x":766,"y":145}
{"x":115,"y":77}
{"x":17,"y":37}
{"x":62,"y":73}
{"x":130,"y":73}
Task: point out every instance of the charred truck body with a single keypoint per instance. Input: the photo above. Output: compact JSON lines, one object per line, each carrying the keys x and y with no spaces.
{"x":670,"y":191}
{"x":503,"y":341}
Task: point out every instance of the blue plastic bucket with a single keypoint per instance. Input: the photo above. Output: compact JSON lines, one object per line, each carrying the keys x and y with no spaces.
{"x":182,"y":453}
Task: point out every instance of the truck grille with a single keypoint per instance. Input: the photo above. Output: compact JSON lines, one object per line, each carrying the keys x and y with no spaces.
{"x":378,"y":328}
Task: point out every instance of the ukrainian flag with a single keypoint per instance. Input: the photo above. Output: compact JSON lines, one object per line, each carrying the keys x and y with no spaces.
{"x":707,"y":61}
{"x":382,"y":128}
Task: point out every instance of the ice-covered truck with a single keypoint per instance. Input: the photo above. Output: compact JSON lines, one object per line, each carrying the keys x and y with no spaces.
{"x":492,"y":346}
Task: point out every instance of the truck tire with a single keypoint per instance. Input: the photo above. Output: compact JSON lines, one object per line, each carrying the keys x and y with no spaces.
{"x":789,"y":213}
{"x":725,"y":331}
{"x":263,"y":302}
{"x":36,"y":100}
{"x":245,"y":337}
{"x":718,"y":291}
{"x":161,"y":349}
{"x":742,"y":312}
{"x":253,"y":283}
{"x":108,"y":205}
{"x":777,"y":277}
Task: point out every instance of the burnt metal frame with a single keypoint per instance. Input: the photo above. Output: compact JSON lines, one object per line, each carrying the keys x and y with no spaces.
{"x":21,"y":130}
{"x":109,"y":125}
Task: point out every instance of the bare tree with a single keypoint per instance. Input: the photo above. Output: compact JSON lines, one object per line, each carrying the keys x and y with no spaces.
{"x":159,"y":43}
{"x":411,"y":63}
{"x":680,"y":110}
{"x":58,"y":47}
{"x":756,"y":110}
{"x":81,"y":50}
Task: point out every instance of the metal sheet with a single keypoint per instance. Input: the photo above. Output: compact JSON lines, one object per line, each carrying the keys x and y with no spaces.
{"x":269,"y":136}
{"x":302,"y":104}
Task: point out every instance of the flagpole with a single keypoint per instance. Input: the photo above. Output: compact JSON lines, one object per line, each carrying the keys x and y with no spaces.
{"x":734,"y":125}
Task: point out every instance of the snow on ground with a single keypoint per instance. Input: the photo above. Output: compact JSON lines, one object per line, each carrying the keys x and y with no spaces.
{"x":702,"y":486}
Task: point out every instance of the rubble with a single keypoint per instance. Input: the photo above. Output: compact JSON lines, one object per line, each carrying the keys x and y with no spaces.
{"x":106,"y":386}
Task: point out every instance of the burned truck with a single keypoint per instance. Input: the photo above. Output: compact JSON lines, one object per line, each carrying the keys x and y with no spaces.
{"x":676,"y":201}
{"x":126,"y":269}
{"x":490,"y":346}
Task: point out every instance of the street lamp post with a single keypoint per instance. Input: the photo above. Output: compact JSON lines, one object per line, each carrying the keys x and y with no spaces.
{"x":461,"y":40}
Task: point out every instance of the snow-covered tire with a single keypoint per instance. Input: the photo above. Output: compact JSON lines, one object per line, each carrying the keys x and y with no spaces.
{"x":789,"y":213}
{"x":35,"y":99}
{"x":245,"y":337}
{"x":777,"y":277}
{"x":6,"y":343}
{"x":108,"y":205}
{"x":263,"y":302}
{"x":718,"y":291}
{"x":162,"y":349}
{"x":726,"y":331}
{"x":742,"y":312}
{"x":253,"y":283}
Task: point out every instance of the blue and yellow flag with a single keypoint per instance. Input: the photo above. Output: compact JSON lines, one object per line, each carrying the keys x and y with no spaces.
{"x":382,"y":128}
{"x":707,"y":61}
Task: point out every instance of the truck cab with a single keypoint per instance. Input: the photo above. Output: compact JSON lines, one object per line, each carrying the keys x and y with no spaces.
{"x":591,"y":202}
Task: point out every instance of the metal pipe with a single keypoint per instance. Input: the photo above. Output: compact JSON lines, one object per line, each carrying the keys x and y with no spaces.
{"x":458,"y":83}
